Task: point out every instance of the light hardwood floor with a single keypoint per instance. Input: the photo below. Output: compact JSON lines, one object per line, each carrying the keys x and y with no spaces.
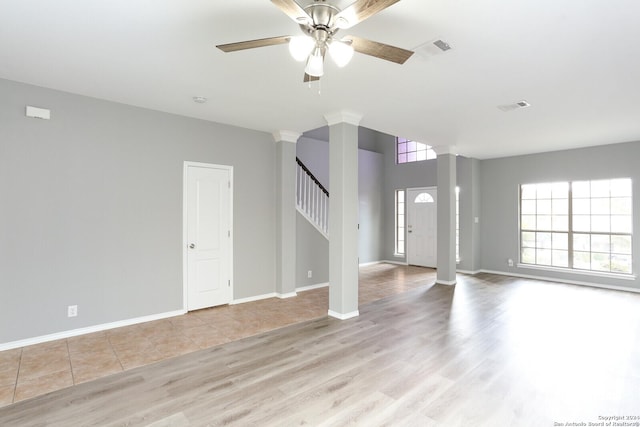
{"x":493,"y":350}
{"x":39,"y":369}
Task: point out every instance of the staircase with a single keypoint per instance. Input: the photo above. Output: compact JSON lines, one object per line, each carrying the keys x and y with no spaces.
{"x":312,"y":199}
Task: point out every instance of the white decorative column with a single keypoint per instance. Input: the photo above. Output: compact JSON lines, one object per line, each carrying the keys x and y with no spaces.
{"x":343,"y":214}
{"x":286,"y":213}
{"x":446,"y":264}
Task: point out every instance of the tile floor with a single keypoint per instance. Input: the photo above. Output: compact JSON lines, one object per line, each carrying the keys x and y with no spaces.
{"x":39,"y":369}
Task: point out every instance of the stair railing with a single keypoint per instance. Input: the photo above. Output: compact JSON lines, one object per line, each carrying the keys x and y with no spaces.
{"x":312,"y":199}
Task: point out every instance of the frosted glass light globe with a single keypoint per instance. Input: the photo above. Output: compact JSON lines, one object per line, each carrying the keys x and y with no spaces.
{"x":300,"y":47}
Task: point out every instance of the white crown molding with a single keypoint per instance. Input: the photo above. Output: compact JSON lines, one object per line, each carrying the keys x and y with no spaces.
{"x":286,"y":135}
{"x":350,"y":117}
{"x":441,"y":150}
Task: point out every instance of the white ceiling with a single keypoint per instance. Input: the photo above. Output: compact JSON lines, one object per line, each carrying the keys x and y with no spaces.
{"x":577,"y":62}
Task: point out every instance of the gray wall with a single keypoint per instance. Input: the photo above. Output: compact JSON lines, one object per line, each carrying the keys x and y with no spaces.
{"x":468,"y":171}
{"x":425,"y":174}
{"x":314,"y":153}
{"x":91,"y":209}
{"x":500,"y":179}
{"x":312,"y":254}
{"x":371,"y":218}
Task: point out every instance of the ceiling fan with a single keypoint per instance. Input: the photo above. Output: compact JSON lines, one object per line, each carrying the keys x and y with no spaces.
{"x":319,"y":22}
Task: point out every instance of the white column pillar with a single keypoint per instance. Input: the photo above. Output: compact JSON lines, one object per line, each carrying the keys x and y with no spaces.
{"x":343,"y":214}
{"x":446,"y":265}
{"x":286,"y":213}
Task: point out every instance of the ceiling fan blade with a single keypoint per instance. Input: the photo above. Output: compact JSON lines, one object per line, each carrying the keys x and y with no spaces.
{"x":293,"y":10}
{"x":361,"y":10}
{"x":308,"y":78}
{"x":379,"y":50}
{"x":250,"y":44}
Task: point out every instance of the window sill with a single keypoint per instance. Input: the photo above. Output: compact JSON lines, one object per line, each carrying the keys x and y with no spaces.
{"x":619,"y":276}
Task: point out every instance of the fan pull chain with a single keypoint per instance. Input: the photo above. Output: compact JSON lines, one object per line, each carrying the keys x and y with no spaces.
{"x":319,"y":86}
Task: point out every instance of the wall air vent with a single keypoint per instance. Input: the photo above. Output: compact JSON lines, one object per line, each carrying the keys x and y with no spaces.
{"x":515,"y":106}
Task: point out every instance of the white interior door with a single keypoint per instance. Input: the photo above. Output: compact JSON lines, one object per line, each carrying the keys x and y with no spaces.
{"x":422,"y":227}
{"x":208,"y":248}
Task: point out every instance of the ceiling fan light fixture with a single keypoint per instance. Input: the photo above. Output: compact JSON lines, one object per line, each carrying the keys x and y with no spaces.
{"x":300,"y":47}
{"x":315,"y":66}
{"x":341,"y":52}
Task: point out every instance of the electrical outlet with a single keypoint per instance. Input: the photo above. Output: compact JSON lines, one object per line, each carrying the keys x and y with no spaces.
{"x":510,"y":262}
{"x":72,"y":311}
{"x":310,"y":274}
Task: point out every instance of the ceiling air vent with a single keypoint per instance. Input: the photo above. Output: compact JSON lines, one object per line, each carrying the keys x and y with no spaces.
{"x":432,"y":48}
{"x":443,"y":46}
{"x":514,"y":106}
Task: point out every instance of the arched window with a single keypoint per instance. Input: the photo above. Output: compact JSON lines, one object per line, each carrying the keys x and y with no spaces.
{"x":423,"y":198}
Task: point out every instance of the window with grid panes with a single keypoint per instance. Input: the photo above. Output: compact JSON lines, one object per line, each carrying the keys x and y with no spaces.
{"x":400,"y":222}
{"x":581,"y":225}
{"x":412,"y":151}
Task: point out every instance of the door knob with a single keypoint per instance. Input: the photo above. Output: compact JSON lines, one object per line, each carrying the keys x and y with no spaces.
{"x":192,"y":246}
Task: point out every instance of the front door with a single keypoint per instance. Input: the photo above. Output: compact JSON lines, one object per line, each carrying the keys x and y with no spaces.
{"x":422,"y":227}
{"x":207,"y":235}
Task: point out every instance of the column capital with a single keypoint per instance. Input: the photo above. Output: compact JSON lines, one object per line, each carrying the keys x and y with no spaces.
{"x":350,"y":117}
{"x":286,"y":135}
{"x":445,"y":149}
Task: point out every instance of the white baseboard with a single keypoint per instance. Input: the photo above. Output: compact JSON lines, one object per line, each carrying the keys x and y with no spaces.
{"x":88,"y":330}
{"x":345,"y":316}
{"x":255,"y":298}
{"x":472,"y":273}
{"x":287,"y":295}
{"x":557,"y":280}
{"x":446,"y":282}
{"x":365,"y":264}
{"x":310,"y":287}
{"x":395,"y":262}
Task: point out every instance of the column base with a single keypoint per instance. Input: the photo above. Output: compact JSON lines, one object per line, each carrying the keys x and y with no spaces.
{"x":344,"y":316}
{"x":287,"y":295}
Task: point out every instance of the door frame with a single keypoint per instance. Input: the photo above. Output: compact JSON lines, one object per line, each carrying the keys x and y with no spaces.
{"x":434,"y":188}
{"x":185,"y":243}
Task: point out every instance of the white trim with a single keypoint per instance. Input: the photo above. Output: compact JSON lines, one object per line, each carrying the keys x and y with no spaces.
{"x":472,"y":273}
{"x":286,"y":136}
{"x":312,"y":222}
{"x":88,"y":330}
{"x":365,"y":264}
{"x":254,"y":298}
{"x":396,"y":262}
{"x":186,"y":165}
{"x":577,"y":271}
{"x":446,"y":282}
{"x":558,"y":280}
{"x":441,"y":150}
{"x":345,"y":316}
{"x":350,"y":117}
{"x":287,"y":295}
{"x":310,"y":287}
